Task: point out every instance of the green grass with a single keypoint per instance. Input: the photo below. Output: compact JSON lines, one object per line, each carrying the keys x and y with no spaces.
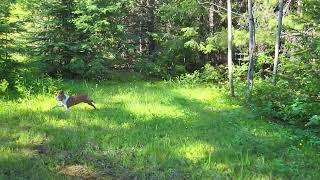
{"x":148,"y":131}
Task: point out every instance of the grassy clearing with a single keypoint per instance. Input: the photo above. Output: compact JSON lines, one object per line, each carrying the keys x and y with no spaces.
{"x":148,"y":131}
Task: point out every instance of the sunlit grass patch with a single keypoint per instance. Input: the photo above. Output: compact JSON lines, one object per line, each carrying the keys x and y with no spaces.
{"x":143,"y":130}
{"x":197,"y":152}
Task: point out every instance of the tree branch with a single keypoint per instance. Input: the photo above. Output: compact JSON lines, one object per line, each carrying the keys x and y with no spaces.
{"x":214,"y":4}
{"x":287,"y":7}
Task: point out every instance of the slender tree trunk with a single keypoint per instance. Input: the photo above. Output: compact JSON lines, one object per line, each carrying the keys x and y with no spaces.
{"x":299,"y":9}
{"x":140,"y":38}
{"x":277,"y":46}
{"x":141,"y":27}
{"x":202,"y":36}
{"x":251,"y":46}
{"x":151,"y":26}
{"x":230,"y":70}
{"x":211,"y":18}
{"x":6,"y":46}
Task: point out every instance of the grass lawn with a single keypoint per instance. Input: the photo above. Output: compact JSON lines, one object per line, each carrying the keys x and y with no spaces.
{"x":145,"y":130}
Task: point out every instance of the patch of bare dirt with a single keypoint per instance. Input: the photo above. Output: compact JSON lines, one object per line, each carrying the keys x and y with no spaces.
{"x":41,"y":149}
{"x":79,"y":171}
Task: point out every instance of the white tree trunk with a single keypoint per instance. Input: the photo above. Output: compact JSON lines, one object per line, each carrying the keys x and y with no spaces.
{"x":277,"y":46}
{"x":299,"y":10}
{"x":211,"y":17}
{"x":230,"y":68}
{"x":141,"y":27}
{"x":251,"y":46}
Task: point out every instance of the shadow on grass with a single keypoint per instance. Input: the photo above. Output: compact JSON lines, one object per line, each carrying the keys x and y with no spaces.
{"x":114,"y":142}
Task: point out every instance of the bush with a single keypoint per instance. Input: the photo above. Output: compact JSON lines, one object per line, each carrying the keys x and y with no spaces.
{"x":240,"y":72}
{"x":213,"y":74}
{"x":284,"y":103}
{"x":190,"y":78}
{"x":27,"y":85}
{"x":3,"y":86}
{"x":314,"y":121}
{"x":208,"y":74}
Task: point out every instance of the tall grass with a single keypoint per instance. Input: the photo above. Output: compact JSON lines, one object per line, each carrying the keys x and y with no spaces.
{"x":148,"y":131}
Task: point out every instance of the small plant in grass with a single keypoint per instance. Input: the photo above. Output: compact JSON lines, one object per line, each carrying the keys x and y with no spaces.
{"x":21,"y":88}
{"x":314,"y":121}
{"x":3,"y":86}
{"x":192,"y":78}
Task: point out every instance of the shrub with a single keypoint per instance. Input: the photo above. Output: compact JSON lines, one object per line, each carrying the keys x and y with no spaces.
{"x":213,"y":74}
{"x":190,"y":78}
{"x":27,"y":85}
{"x":208,"y":74}
{"x":284,"y":103}
{"x":240,"y":72}
{"x":3,"y":86}
{"x":314,"y":121}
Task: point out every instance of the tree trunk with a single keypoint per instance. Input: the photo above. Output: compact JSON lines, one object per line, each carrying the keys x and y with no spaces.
{"x":211,"y":18}
{"x":277,"y":46}
{"x":141,"y":27}
{"x":299,"y":8}
{"x":251,"y":46}
{"x":151,"y":26}
{"x":230,"y":70}
{"x":6,"y":47}
{"x":202,"y":36}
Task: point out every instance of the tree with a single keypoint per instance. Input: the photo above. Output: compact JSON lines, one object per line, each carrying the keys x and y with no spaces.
{"x":8,"y":44}
{"x":277,"y":45}
{"x":100,"y":38}
{"x":251,"y":46}
{"x":151,"y":26}
{"x":299,"y":7}
{"x":230,"y":64}
{"x":142,"y":30}
{"x":56,"y":34}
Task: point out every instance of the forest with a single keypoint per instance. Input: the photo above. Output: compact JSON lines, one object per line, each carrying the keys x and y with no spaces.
{"x":183,"y":89}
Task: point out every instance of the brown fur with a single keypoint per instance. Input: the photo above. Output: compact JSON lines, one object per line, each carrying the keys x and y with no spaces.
{"x":76,"y":99}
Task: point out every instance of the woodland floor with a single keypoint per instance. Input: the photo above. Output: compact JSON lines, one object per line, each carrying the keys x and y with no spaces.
{"x":145,"y":130}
